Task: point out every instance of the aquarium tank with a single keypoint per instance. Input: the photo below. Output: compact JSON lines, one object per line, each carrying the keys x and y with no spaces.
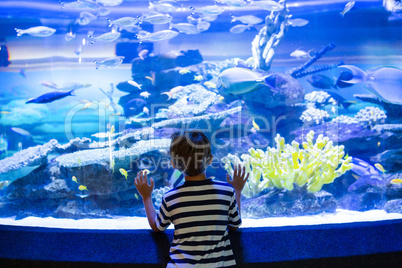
{"x":307,"y":95}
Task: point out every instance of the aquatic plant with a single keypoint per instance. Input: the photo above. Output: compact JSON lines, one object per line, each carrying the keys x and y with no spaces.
{"x":315,"y":164}
{"x":269,"y":37}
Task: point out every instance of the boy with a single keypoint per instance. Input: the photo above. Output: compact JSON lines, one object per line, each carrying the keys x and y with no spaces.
{"x":201,"y":209}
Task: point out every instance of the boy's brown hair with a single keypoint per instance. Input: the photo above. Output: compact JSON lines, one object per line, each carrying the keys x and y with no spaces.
{"x":190,"y":151}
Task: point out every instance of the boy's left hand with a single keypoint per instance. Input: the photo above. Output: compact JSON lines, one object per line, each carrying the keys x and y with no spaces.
{"x":141,"y":183}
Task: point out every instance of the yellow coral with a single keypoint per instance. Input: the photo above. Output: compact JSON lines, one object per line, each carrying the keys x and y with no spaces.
{"x":315,"y":164}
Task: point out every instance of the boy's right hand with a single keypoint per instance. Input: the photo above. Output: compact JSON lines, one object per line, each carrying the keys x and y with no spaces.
{"x":239,"y":178}
{"x":141,"y":183}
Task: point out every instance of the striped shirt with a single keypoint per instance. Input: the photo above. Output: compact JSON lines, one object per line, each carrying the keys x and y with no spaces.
{"x":200,"y":212}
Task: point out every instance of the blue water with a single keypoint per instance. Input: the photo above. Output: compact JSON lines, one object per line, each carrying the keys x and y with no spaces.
{"x":368,"y":37}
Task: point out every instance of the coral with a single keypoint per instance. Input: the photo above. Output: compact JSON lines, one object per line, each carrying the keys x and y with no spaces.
{"x":371,"y":115}
{"x":189,"y":120}
{"x":314,"y":115}
{"x":269,"y":37}
{"x":388,"y":127}
{"x":317,"y":70}
{"x":121,"y":157}
{"x":281,"y":167}
{"x":31,"y":156}
{"x":295,"y":72}
{"x":343,"y":119}
{"x":157,"y":195}
{"x":319,"y":97}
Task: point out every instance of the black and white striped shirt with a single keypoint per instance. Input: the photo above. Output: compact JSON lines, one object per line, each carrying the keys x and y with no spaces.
{"x":200,"y":212}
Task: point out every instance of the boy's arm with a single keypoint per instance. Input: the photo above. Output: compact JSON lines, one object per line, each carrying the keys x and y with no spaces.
{"x":238,"y":182}
{"x":145,"y":190}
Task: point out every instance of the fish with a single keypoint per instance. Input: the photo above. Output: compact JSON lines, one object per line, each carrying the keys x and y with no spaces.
{"x":87,"y":105}
{"x":298,"y":22}
{"x":174,"y":178}
{"x":69,"y":36}
{"x":233,"y":3}
{"x":51,"y":96}
{"x":210,"y":10}
{"x":39,"y":31}
{"x":239,"y":28}
{"x":144,"y":36}
{"x":380,"y":167}
{"x":343,"y":78}
{"x":341,"y":101}
{"x":145,"y":94}
{"x":203,"y":26}
{"x":74,"y":179}
{"x":123,"y":172}
{"x":145,"y":110}
{"x":23,"y":73}
{"x":333,"y":109}
{"x":85,"y":18}
{"x":143,"y":53}
{"x":104,"y":135}
{"x":3,"y":144}
{"x":152,"y":79}
{"x":362,"y":168}
{"x":396,"y":181}
{"x":82,"y":188}
{"x":163,"y":6}
{"x":109,"y":62}
{"x":4,"y":184}
{"x":210,"y":84}
{"x":239,"y":81}
{"x":198,"y":78}
{"x":103,"y":12}
{"x":5,"y":112}
{"x":173,"y":91}
{"x":186,"y":28}
{"x":124,"y":22}
{"x":356,"y":176}
{"x":184,"y":71}
{"x":255,"y":126}
{"x":134,"y":106}
{"x":301,"y":54}
{"x":110,"y":3}
{"x":146,"y":171}
{"x":134,"y":84}
{"x":157,"y":18}
{"x":106,"y":37}
{"x":49,"y":84}
{"x":268,"y":5}
{"x":378,"y":144}
{"x":79,"y":4}
{"x":321,"y":81}
{"x":79,"y":161}
{"x":347,"y":8}
{"x":247,"y":19}
{"x":385,"y":83}
{"x":136,"y":196}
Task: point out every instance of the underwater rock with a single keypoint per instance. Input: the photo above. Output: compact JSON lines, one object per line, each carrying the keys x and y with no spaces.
{"x":166,"y":61}
{"x":73,"y":145}
{"x":393,"y":110}
{"x":362,"y":201}
{"x":393,"y":206}
{"x":379,"y":184}
{"x":78,"y":209}
{"x":284,"y":90}
{"x":285,"y":203}
{"x":32,"y":156}
{"x":391,"y":159}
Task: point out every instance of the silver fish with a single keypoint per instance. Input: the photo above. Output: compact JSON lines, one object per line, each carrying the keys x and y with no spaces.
{"x":21,"y":131}
{"x":80,"y":4}
{"x":385,"y":82}
{"x":348,"y":7}
{"x":298,"y":22}
{"x":156,"y":36}
{"x":247,"y":19}
{"x":85,"y":18}
{"x":210,"y":10}
{"x":106,"y":37}
{"x":233,"y":3}
{"x":124,"y":22}
{"x":268,"y":5}
{"x":40,"y":31}
{"x":186,"y":28}
{"x":157,"y":18}
{"x":203,"y":26}
{"x":110,"y":3}
{"x":239,"y":28}
{"x":109,"y":62}
{"x":163,"y":6}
